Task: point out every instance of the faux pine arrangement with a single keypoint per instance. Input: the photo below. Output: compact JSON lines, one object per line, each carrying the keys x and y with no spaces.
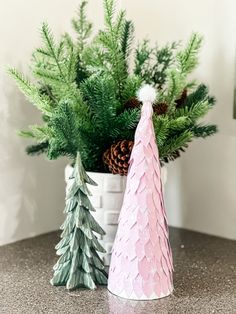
{"x":86,"y":91}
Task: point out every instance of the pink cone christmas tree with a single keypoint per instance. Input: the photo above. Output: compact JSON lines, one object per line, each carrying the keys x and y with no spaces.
{"x":141,"y":263}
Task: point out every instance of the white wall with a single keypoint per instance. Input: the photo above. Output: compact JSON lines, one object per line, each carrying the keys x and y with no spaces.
{"x":201,"y":185}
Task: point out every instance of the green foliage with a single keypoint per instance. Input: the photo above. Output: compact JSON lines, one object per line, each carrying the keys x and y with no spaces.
{"x":164,"y":58}
{"x":175,"y":85}
{"x":84,"y":84}
{"x":172,"y":136}
{"x":143,"y":58}
{"x":37,"y":149}
{"x":79,"y":264}
{"x":126,"y":41}
{"x":55,"y":65}
{"x":106,"y":113}
{"x":110,"y":50}
{"x":152,"y":64}
{"x":100,"y":95}
{"x":42,"y":102}
{"x":130,"y":88}
{"x":82,"y":26}
{"x":65,"y":132}
{"x":204,"y":130}
{"x":176,"y":76}
{"x":174,"y":144}
{"x":188,"y":57}
{"x":83,"y":29}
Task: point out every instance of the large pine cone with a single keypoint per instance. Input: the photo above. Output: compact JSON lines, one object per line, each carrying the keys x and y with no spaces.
{"x":117,"y":157}
{"x":132,"y":103}
{"x":160,"y":108}
{"x":180,"y":102}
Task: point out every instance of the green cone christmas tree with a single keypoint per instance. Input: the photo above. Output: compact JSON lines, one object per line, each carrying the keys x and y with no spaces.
{"x":79,"y":264}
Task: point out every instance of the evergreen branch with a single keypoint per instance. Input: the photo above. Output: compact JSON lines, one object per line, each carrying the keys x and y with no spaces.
{"x":94,"y":57}
{"x":211,"y":100}
{"x":125,"y":124}
{"x":100,"y":95}
{"x":188,"y":58}
{"x":178,"y":124}
{"x":175,"y":86}
{"x":152,"y":64}
{"x":166,"y":128}
{"x":127,"y":37}
{"x":195,"y":112}
{"x":26,"y":133}
{"x":82,"y":72}
{"x":51,"y":46}
{"x":62,"y":62}
{"x":110,"y":42}
{"x":204,"y":130}
{"x":174,"y":143}
{"x":164,"y":58}
{"x":41,"y":133}
{"x":109,"y":9}
{"x":200,"y":94}
{"x":173,"y":155}
{"x":161,"y":129}
{"x":65,"y":133}
{"x":142,"y":58}
{"x":126,"y":40}
{"x":42,"y":52}
{"x":191,"y":85}
{"x":48,"y":77}
{"x":48,"y":40}
{"x":42,"y":102}
{"x":131,"y":86}
{"x":71,"y":62}
{"x":37,"y":149}
{"x":119,"y":24}
{"x":60,"y":49}
{"x":82,"y":26}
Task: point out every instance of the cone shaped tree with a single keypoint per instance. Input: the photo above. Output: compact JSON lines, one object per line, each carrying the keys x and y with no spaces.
{"x":141,"y":263}
{"x":79,"y":264}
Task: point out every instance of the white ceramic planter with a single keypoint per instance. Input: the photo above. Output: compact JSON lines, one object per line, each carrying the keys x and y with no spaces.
{"x":107,"y":198}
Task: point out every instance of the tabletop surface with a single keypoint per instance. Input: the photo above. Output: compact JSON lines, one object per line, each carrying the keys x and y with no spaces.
{"x":204,"y":280}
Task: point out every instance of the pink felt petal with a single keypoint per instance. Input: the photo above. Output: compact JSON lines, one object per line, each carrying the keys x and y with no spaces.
{"x":138,"y":288}
{"x":157,"y":289}
{"x":140,"y":251}
{"x":149,"y":250}
{"x":143,"y":266}
{"x":164,"y":285}
{"x":148,"y":288}
{"x":128,"y":287}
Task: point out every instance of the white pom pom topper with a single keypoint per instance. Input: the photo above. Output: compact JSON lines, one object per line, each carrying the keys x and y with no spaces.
{"x":147,"y":93}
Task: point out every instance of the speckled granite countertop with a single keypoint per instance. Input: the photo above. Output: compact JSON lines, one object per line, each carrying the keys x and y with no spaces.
{"x":205,"y":280}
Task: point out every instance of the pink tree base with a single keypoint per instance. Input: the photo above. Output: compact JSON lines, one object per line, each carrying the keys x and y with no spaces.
{"x":155,"y":294}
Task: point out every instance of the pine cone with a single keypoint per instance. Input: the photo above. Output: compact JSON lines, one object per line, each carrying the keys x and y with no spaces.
{"x":180,"y":102}
{"x":132,"y":103}
{"x":160,"y":109}
{"x":117,"y":157}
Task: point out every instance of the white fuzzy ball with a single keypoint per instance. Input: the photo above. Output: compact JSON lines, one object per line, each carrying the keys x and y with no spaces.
{"x":147,"y":93}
